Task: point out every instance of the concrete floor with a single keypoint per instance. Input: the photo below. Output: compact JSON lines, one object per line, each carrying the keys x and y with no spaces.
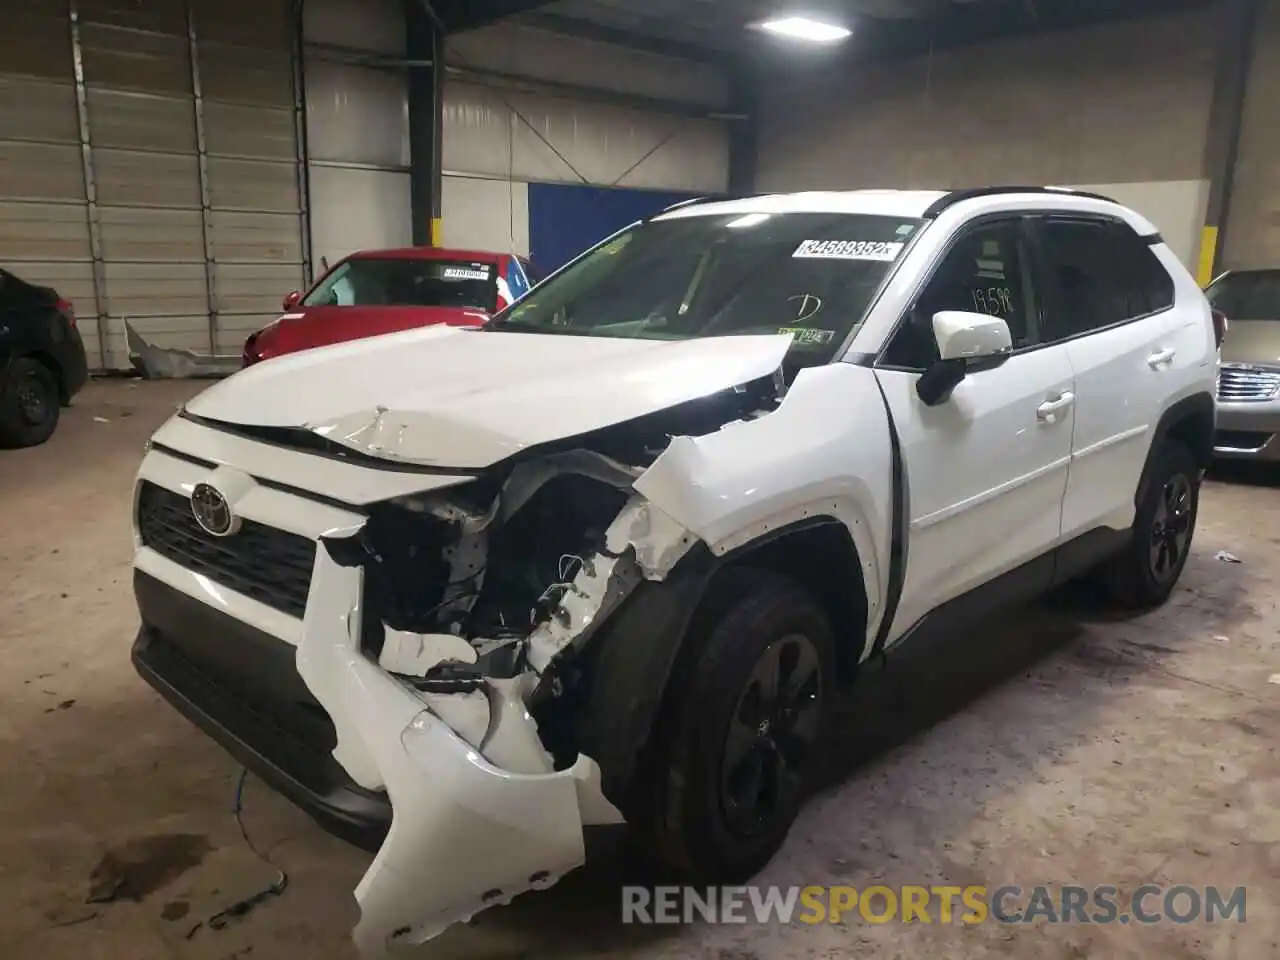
{"x":1115,"y":753}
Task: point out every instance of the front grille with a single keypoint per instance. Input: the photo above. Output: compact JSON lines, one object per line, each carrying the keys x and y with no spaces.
{"x":269,"y":565}
{"x":1243,"y":384}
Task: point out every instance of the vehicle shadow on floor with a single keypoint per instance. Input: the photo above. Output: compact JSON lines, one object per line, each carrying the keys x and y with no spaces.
{"x":1052,"y":646}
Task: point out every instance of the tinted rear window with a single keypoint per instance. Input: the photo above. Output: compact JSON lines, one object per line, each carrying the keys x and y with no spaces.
{"x":1252,"y":295}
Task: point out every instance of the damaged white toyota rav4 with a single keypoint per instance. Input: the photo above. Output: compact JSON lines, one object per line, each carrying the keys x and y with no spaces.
{"x":463,"y":593}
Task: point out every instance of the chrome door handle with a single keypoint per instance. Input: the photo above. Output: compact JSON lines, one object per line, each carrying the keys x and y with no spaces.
{"x":1048,"y":411}
{"x":1160,"y":359}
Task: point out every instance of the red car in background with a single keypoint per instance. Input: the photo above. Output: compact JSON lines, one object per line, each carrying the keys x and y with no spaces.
{"x":383,"y":291}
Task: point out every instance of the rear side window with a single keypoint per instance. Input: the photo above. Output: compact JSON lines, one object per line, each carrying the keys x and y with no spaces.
{"x":1103,"y":274}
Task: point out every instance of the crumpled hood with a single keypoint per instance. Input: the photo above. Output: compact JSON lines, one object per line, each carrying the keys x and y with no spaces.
{"x":461,"y":398}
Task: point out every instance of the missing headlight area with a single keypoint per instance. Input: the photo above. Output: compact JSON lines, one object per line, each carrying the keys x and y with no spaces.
{"x":481,"y":598}
{"x":459,"y":641}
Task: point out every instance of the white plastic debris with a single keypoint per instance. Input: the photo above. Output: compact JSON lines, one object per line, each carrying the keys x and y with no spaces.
{"x":1221,"y":638}
{"x":101,"y":420}
{"x":1275,"y":678}
{"x":1227,"y":557}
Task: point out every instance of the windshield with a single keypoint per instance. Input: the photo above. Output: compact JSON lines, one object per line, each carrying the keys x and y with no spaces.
{"x":1250,"y":295}
{"x":384,"y":282}
{"x":809,"y":274}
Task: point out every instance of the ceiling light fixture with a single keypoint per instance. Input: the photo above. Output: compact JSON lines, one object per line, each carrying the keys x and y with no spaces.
{"x":803,"y":28}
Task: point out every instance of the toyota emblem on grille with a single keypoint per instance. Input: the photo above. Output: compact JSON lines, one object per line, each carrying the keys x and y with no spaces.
{"x":212,"y":512}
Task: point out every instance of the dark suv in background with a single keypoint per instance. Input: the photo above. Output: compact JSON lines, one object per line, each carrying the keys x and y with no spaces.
{"x":42,"y":360}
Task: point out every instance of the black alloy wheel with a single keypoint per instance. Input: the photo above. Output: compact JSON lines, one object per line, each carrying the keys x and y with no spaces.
{"x":772,"y":735}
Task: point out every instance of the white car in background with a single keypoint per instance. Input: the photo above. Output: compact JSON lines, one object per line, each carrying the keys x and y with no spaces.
{"x":463,"y":594}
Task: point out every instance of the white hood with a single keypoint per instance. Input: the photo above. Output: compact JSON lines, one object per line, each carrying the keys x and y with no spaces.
{"x":450,"y":397}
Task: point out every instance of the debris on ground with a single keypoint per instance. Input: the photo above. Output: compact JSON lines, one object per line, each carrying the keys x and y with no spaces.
{"x":101,"y":420}
{"x":1274,"y":678}
{"x":242,"y":907}
{"x":71,"y":916}
{"x":1221,"y":638}
{"x":162,"y":363}
{"x":1227,"y":557}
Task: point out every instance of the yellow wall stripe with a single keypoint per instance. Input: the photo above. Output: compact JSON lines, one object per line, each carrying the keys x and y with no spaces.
{"x":1208,"y":253}
{"x":437,"y":229}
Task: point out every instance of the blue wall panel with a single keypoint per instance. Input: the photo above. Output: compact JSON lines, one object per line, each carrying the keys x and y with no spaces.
{"x":565,"y":219}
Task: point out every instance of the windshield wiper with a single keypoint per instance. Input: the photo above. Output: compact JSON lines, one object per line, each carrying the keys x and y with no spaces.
{"x":509,"y":326}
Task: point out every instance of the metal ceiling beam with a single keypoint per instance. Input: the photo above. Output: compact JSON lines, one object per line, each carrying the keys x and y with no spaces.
{"x":573,"y":91}
{"x":458,"y":15}
{"x":647,"y":43}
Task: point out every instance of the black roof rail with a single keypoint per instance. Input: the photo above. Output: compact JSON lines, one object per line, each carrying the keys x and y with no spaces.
{"x":956,"y":196}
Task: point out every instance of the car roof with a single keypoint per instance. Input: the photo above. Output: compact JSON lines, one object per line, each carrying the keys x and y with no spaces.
{"x":428,"y":253}
{"x":915,"y":204}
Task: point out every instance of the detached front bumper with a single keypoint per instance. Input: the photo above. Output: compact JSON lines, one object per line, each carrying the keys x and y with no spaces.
{"x":366,"y":756}
{"x":465,"y":834}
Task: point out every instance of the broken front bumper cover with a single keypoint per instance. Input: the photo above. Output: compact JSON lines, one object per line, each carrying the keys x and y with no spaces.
{"x":465,"y":834}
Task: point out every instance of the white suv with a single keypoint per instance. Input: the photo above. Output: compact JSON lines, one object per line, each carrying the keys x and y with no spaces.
{"x":613,"y":557}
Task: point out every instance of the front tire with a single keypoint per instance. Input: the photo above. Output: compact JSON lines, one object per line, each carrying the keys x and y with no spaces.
{"x":1146,"y":572}
{"x":749,"y":727}
{"x":29,"y":405}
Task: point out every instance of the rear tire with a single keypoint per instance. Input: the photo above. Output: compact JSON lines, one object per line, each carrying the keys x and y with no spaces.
{"x":748,"y":729}
{"x":1145,"y":573}
{"x":29,"y":405}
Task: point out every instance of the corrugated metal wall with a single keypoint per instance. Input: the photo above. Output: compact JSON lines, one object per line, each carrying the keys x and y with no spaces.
{"x":150,"y":172}
{"x":358,"y":134}
{"x":1253,"y":220}
{"x":1118,"y":104}
{"x":357,"y":129}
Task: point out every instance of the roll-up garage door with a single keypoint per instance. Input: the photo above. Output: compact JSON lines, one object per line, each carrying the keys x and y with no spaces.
{"x":44,"y":221}
{"x":251,"y":119}
{"x":149,"y":166}
{"x":145,"y":169}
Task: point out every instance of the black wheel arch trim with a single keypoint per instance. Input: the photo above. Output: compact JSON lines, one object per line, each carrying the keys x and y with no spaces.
{"x":1198,"y":406}
{"x":646,"y":635}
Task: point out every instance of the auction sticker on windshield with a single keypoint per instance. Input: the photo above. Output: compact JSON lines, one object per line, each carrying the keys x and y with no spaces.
{"x":848,"y":250}
{"x":809,"y":336}
{"x":465,"y":273}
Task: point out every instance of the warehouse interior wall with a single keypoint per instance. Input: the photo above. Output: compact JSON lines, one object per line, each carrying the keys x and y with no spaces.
{"x":153,"y":157}
{"x":569,"y":218}
{"x":1252,"y":236}
{"x":504,"y":129}
{"x":357,"y":128}
{"x":1129,"y":115}
{"x":519,"y":157}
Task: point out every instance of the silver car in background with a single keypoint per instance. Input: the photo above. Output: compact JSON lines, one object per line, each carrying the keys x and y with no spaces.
{"x":1249,"y":380}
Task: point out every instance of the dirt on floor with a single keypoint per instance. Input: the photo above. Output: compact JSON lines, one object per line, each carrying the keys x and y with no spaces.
{"x":1060,"y":746}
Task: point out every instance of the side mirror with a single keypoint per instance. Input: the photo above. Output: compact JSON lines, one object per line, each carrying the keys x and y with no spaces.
{"x":292,"y":299}
{"x":966,"y":341}
{"x":970,"y":336}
